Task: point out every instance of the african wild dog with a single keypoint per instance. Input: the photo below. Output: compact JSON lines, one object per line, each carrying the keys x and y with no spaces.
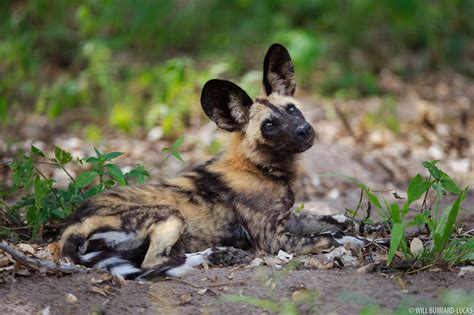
{"x":240,"y":199}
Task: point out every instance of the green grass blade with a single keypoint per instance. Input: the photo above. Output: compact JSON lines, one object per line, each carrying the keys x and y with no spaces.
{"x":395,"y":239}
{"x":453,"y":213}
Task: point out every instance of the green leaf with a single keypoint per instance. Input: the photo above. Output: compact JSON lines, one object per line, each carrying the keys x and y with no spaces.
{"x":94,"y":190}
{"x":62,"y":157}
{"x":373,"y":199}
{"x":419,"y":219}
{"x":116,"y":174}
{"x":395,"y":239}
{"x":177,"y":143}
{"x":416,"y":188}
{"x":3,"y":109}
{"x":111,"y":155}
{"x":139,"y":173}
{"x":92,"y":160}
{"x":31,"y":215}
{"x":22,"y":171}
{"x":453,"y":213}
{"x":37,"y":151}
{"x":41,"y":219}
{"x":443,"y":178}
{"x":177,"y":156}
{"x":97,"y":152}
{"x":108,"y":184}
{"x":437,"y":242}
{"x":58,"y":213}
{"x":40,"y":192}
{"x":85,"y":178}
{"x":395,"y":212}
{"x":300,"y":208}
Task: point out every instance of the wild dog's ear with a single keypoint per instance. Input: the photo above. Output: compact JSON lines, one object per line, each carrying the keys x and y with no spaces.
{"x":278,"y":72}
{"x":226,"y":104}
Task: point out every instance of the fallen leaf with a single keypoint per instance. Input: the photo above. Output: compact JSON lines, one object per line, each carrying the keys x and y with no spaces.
{"x":54,"y":249}
{"x":26,"y":248}
{"x":118,"y":280}
{"x":316,"y":264}
{"x":96,"y":281}
{"x":416,"y":247}
{"x":185,"y":298}
{"x":202,"y":291}
{"x":70,"y":298}
{"x":343,"y":255}
{"x":106,"y":277}
{"x":23,"y":272}
{"x":367,"y":268}
{"x":98,"y":291}
{"x":272,"y":262}
{"x":256,"y":262}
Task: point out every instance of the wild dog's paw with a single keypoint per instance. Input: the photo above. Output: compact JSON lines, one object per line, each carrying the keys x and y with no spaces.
{"x":229,"y":256}
{"x":305,"y":223}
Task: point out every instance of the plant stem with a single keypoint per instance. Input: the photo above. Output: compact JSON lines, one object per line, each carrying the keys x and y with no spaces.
{"x":52,"y":189}
{"x":359,"y":204}
{"x":72,"y":179}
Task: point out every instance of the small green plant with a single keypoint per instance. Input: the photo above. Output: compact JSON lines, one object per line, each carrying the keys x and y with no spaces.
{"x":42,"y":200}
{"x":173,"y":150}
{"x":437,"y":223}
{"x":300,"y":208}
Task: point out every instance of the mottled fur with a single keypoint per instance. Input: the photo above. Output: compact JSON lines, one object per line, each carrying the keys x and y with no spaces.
{"x":241,"y":198}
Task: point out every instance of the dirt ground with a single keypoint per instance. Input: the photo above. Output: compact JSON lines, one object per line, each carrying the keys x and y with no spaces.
{"x":349,"y":143}
{"x":337,"y":291}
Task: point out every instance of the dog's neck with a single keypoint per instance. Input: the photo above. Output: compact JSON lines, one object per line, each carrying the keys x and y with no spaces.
{"x":270,"y":164}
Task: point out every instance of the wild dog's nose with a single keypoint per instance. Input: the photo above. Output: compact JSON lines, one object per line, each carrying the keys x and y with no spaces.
{"x":303,"y":131}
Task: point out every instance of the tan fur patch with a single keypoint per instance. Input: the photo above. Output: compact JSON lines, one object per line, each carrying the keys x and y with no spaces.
{"x":162,"y":237}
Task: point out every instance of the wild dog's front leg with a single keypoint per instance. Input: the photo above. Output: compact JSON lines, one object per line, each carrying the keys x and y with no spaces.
{"x":275,"y":237}
{"x":163,"y":236}
{"x":305,"y":223}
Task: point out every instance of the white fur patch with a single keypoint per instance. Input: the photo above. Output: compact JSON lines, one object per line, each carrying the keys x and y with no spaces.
{"x":89,"y":256}
{"x":113,"y":237}
{"x":177,"y":272}
{"x":110,"y":261}
{"x":350,"y":240}
{"x":340,"y":218}
{"x":195,"y":260}
{"x":124,"y":269}
{"x":192,"y":260}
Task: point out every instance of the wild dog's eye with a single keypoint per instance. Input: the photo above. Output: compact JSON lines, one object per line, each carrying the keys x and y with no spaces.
{"x":291,"y":108}
{"x":267,"y":125}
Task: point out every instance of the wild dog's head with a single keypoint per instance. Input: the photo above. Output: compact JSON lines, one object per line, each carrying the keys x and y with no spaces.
{"x":272,"y":125}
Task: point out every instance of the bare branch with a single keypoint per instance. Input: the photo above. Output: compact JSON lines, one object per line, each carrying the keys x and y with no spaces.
{"x":39,"y":264}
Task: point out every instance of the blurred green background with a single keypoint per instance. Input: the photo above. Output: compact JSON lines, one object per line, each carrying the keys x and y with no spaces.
{"x":136,"y":64}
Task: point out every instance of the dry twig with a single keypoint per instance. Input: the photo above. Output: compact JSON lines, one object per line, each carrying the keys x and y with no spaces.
{"x":39,"y":264}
